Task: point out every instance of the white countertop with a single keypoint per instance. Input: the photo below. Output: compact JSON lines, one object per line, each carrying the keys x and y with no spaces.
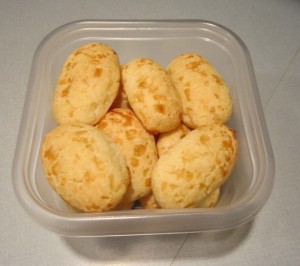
{"x":271,"y":31}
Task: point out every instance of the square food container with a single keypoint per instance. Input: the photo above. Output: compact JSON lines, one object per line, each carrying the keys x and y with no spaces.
{"x":242,"y":196}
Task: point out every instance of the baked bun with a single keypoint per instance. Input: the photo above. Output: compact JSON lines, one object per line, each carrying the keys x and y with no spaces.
{"x":137,"y":145}
{"x":204,"y":95}
{"x":196,"y":166}
{"x":151,"y":95}
{"x":168,"y":139}
{"x":85,"y":167}
{"x":87,"y":86}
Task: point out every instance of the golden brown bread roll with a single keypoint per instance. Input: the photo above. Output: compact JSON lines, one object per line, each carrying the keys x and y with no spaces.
{"x":204,"y":95}
{"x":85,"y":167}
{"x":87,"y":86}
{"x":196,"y":166}
{"x":137,"y":145}
{"x":151,"y":95}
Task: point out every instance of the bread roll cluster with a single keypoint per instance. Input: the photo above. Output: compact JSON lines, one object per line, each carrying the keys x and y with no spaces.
{"x":139,"y":134}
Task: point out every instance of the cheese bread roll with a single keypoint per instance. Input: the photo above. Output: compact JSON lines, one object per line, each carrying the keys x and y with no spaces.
{"x":151,"y":95}
{"x":137,"y":145}
{"x":85,"y":167}
{"x":87,"y":86}
{"x":204,"y":95}
{"x":196,"y":166}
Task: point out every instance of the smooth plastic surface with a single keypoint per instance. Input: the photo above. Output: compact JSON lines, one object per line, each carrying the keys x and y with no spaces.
{"x":242,"y":196}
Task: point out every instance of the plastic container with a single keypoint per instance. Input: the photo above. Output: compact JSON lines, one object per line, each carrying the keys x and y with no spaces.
{"x":242,"y":196}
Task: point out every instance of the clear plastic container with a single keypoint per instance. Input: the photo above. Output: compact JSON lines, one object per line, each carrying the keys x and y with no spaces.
{"x":242,"y":196}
